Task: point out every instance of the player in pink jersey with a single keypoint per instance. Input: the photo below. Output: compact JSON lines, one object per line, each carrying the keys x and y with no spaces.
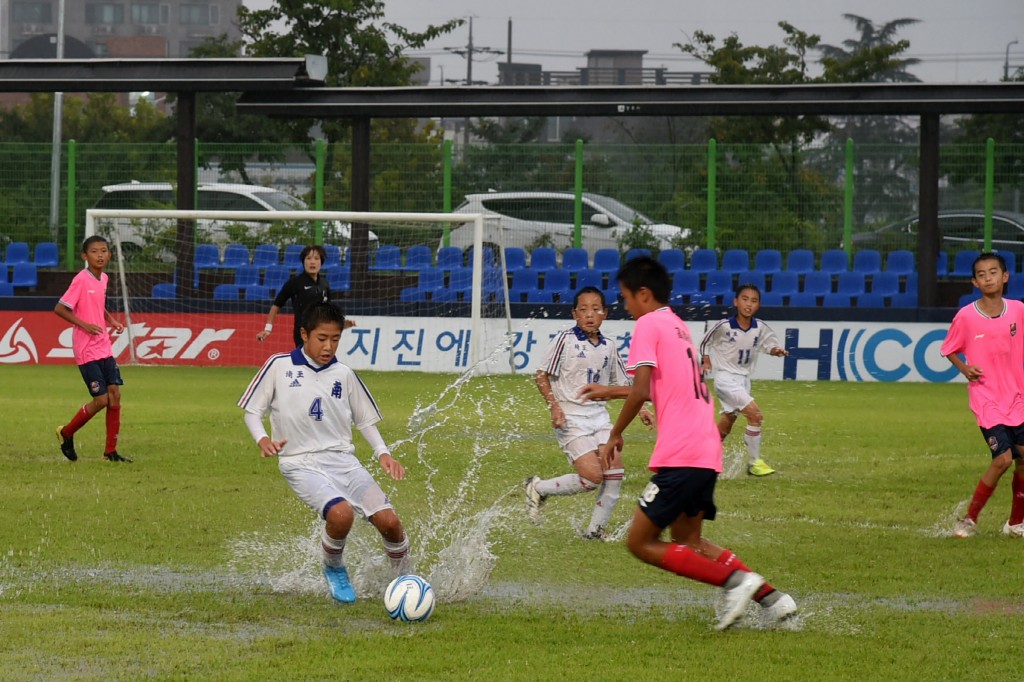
{"x":990,"y":334}
{"x":687,"y":455}
{"x":84,"y":305}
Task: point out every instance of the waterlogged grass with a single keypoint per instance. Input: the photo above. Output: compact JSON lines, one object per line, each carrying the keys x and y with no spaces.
{"x":197,"y":562}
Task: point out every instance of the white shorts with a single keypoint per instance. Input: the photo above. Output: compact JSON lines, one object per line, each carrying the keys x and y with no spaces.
{"x":318,"y":478}
{"x":583,"y":434}
{"x":733,"y":391}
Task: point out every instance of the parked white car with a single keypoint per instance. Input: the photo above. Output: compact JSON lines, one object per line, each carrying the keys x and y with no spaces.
{"x":136,"y":235}
{"x":524,"y":218}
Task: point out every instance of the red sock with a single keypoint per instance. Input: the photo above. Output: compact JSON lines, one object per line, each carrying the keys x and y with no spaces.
{"x":981,"y":495}
{"x":727,"y":558}
{"x":77,"y":422}
{"x":113,"y":427}
{"x":1017,"y":509}
{"x":683,"y":561}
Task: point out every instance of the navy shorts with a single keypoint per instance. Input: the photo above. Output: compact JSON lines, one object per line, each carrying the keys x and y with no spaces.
{"x":99,"y":374}
{"x":676,"y":491}
{"x":1001,"y":438}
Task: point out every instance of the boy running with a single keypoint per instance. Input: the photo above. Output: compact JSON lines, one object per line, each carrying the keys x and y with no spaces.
{"x":84,"y":305}
{"x":989,"y":334}
{"x":734,"y":343}
{"x":575,"y":358}
{"x":687,"y":455}
{"x":314,"y":401}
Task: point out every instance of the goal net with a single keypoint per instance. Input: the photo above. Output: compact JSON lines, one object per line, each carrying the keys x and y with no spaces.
{"x":196,"y":287}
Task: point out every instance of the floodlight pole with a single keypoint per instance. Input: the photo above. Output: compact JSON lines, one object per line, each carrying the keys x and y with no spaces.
{"x":58,"y":116}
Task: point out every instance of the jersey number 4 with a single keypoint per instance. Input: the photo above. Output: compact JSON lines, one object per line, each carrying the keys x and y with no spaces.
{"x":316,"y":410}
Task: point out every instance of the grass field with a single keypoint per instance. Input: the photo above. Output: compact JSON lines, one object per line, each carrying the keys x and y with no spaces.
{"x":197,"y":562}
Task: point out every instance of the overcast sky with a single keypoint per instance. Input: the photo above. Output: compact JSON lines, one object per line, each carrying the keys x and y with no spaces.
{"x":957,"y":40}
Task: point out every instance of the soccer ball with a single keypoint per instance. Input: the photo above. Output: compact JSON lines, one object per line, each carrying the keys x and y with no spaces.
{"x":409,"y":598}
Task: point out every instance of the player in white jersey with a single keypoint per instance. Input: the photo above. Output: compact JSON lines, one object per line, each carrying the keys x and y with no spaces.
{"x":314,"y":401}
{"x":578,"y":357}
{"x":734,"y":344}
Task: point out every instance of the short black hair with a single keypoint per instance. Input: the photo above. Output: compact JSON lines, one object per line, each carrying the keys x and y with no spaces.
{"x":322,"y":313}
{"x":588,"y":290}
{"x":310,"y":249}
{"x":989,"y":255}
{"x":89,"y":241}
{"x":748,"y":285}
{"x":644,"y":271}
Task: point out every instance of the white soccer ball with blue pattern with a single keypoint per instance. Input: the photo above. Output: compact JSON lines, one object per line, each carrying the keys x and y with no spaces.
{"x":409,"y":598}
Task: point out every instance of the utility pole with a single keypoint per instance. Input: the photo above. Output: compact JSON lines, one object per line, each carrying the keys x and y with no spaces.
{"x":1006,"y":62}
{"x":468,"y":51}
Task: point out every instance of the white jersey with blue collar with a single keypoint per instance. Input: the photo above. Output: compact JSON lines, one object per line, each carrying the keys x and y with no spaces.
{"x":572,"y":361}
{"x":313,"y":407}
{"x":734,"y":349}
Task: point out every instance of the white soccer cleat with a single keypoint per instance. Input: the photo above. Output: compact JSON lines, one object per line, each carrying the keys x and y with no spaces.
{"x":1014,"y":531}
{"x":782,"y":610}
{"x":965,"y":528}
{"x":737,"y":598}
{"x":534,"y":500}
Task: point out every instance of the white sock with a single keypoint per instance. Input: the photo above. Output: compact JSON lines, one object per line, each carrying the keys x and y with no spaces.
{"x":569,"y":484}
{"x":332,"y":549}
{"x":611,"y":485}
{"x":398,"y":554}
{"x":752,"y":437}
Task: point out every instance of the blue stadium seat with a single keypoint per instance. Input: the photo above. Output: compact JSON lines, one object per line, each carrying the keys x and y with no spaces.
{"x":387,"y":257}
{"x":701,"y":299}
{"x":575,"y":260}
{"x":46,"y":255}
{"x":257,"y":292}
{"x":557,"y":285}
{"x":871,"y":300}
{"x":247,"y":276}
{"x":636,"y":253}
{"x":275,"y":276}
{"x":942,"y":264}
{"x":589,"y":278}
{"x":904,"y":300}
{"x":867,"y":261}
{"x":607,"y":261}
{"x":735,"y":261}
{"x":449,"y":258}
{"x":17,"y":252}
{"x":431,"y":280}
{"x":900,"y":262}
{"x":963,"y":262}
{"x":817,"y":283}
{"x":340,"y":279}
{"x":771,"y":299}
{"x":785,"y":283}
{"x":293,"y":256}
{"x":804,"y":299}
{"x":885,"y":283}
{"x":265,"y":255}
{"x":768,"y":261}
{"x":1015,"y":289}
{"x":704,"y":261}
{"x":910,"y":285}
{"x":515,"y":258}
{"x":6,"y":289}
{"x":235,"y":255}
{"x":674,"y":260}
{"x":850,"y":284}
{"x":834,"y":261}
{"x":207,"y":256}
{"x":459,"y":286}
{"x":752,"y":277}
{"x":524,"y":282}
{"x":836,"y":300}
{"x":24,"y":274}
{"x":543,"y":259}
{"x":719,"y":285}
{"x":487,"y":256}
{"x":970,"y":298}
{"x":685,"y":283}
{"x":421,"y":257}
{"x":225,"y":292}
{"x":1011,"y":261}
{"x":800,"y":261}
{"x":165,"y":290}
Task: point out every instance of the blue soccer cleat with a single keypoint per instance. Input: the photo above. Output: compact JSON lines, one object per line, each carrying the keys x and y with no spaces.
{"x":337,"y":581}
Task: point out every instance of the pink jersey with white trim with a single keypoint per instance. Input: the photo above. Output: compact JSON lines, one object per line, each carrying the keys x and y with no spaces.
{"x":87,"y":299}
{"x":687,"y":435}
{"x":996,"y":345}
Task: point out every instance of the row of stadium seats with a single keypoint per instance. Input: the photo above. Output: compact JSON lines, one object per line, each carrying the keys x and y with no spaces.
{"x":45,"y":255}
{"x":21,"y":275}
{"x":250,"y":284}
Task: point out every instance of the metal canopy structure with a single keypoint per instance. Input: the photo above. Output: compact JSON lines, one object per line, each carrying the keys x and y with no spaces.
{"x":706,"y":100}
{"x":926,"y":100}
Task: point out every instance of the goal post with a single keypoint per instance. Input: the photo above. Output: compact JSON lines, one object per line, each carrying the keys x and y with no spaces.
{"x":146,"y":275}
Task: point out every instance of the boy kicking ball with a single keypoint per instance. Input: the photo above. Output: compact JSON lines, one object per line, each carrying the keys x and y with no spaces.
{"x":687,"y":455}
{"x":314,"y":401}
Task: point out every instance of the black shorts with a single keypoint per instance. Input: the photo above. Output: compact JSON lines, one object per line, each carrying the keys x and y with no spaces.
{"x":99,"y":374}
{"x":1001,"y":438}
{"x":674,"y":492}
